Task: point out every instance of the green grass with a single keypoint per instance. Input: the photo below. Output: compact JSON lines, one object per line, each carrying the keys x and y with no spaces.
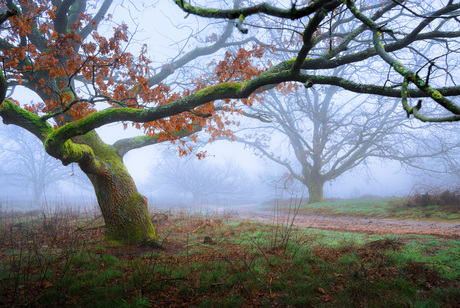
{"x":376,"y":208}
{"x":249,"y":264}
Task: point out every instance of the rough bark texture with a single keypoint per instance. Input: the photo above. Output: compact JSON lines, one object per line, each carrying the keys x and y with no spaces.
{"x":315,"y":191}
{"x":124,"y":209}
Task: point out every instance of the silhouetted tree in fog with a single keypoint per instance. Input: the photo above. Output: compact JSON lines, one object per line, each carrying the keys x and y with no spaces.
{"x":28,"y":167}
{"x":201,"y":181}
{"x":27,"y":164}
{"x":318,"y":135}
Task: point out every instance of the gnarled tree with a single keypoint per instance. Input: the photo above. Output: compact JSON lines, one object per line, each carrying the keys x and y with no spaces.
{"x":52,"y":47}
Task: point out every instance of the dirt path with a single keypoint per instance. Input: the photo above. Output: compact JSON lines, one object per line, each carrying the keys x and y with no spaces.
{"x":352,"y":224}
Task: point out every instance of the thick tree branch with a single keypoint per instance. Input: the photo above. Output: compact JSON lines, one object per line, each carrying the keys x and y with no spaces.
{"x":398,"y":66}
{"x":413,"y":77}
{"x":262,"y":117}
{"x":285,"y":71}
{"x":60,"y":22}
{"x":415,"y":110}
{"x":66,"y":151}
{"x":325,"y":63}
{"x":262,"y":8}
{"x":276,"y":75}
{"x":96,"y":19}
{"x":309,"y":40}
{"x":13,"y":114}
{"x":123,"y":146}
{"x":4,"y":16}
{"x":372,"y":88}
{"x":75,"y":10}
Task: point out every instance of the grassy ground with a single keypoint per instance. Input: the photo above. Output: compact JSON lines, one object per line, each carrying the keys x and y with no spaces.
{"x":214,"y":261}
{"x":381,"y":207}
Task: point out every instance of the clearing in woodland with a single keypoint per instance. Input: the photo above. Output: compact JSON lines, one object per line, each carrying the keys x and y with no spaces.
{"x":61,"y":259}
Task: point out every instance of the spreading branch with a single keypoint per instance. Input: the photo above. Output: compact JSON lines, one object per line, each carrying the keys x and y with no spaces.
{"x":123,"y":146}
{"x":262,"y":8}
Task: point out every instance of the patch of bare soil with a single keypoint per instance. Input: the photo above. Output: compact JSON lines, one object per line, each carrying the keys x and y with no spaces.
{"x":380,"y":226}
{"x":352,"y":224}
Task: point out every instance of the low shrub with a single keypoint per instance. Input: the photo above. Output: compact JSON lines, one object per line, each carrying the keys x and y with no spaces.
{"x":435,"y":196}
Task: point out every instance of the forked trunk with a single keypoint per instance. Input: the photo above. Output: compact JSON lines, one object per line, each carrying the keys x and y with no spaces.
{"x":124,"y":209}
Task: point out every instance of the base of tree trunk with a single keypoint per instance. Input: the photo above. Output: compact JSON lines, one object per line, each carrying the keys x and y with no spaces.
{"x":152,"y":243}
{"x":315,"y":192}
{"x":310,"y":201}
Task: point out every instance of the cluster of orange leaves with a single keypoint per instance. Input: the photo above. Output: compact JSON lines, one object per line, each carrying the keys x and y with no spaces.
{"x":52,"y":61}
{"x":236,"y":66}
{"x":52,"y":64}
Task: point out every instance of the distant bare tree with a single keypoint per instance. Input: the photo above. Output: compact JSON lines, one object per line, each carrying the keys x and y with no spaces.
{"x":200,"y":181}
{"x":27,"y":166}
{"x":320,"y":134}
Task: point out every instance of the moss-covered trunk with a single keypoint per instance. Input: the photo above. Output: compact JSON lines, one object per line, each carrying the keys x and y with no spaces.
{"x":124,"y":209}
{"x":315,"y":191}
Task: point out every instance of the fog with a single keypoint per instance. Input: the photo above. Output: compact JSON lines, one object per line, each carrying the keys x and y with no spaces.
{"x":260,"y":179}
{"x":185,"y":153}
{"x":255,"y":178}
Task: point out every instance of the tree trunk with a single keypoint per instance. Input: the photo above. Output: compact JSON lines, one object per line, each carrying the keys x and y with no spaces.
{"x":315,"y":191}
{"x":124,"y":209}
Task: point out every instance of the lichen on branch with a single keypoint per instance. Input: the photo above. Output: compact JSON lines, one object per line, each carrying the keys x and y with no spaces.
{"x":261,"y":8}
{"x":406,"y":73}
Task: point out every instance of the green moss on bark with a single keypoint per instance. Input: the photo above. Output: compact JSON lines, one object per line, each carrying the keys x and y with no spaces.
{"x":124,"y":209}
{"x":133,"y":227}
{"x":217,"y":90}
{"x":13,"y":114}
{"x":315,"y":191}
